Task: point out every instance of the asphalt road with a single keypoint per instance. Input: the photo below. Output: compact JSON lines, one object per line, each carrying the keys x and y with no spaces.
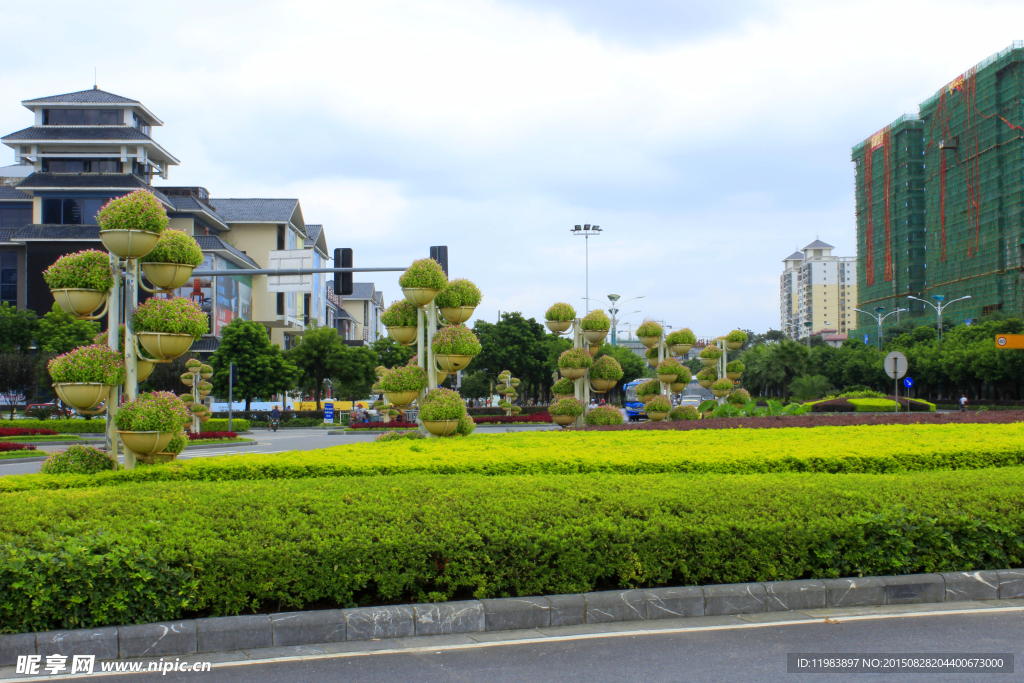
{"x":744,"y":654}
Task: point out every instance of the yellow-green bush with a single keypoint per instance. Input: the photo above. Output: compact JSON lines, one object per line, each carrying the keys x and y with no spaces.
{"x":94,"y":426}
{"x":867,"y":448}
{"x":878,"y":405}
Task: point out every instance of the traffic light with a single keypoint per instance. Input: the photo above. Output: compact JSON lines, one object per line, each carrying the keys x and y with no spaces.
{"x":343,"y":281}
{"x":440,"y":254}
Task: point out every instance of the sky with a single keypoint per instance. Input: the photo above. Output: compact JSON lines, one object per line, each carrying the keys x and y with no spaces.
{"x":709,"y":140}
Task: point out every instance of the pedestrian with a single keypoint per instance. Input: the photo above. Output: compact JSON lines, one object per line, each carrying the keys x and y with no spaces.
{"x":963,"y":403}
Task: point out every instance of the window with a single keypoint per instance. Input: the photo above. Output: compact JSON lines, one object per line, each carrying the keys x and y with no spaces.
{"x":280,"y":237}
{"x":81,"y":166}
{"x":9,"y":277}
{"x":83,"y":117}
{"x":15,"y":217}
{"x":280,"y":303}
{"x":72,"y":210}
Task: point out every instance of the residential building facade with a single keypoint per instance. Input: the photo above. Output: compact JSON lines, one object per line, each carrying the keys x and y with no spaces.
{"x":817,"y":288}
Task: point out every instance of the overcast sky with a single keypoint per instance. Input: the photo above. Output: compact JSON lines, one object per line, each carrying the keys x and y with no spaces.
{"x":708,"y":139}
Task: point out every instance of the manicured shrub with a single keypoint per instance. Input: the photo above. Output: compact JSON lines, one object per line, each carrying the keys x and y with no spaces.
{"x":89,"y":269}
{"x":683,"y":336}
{"x":206,"y":368}
{"x":567,"y":406}
{"x":456,"y":340}
{"x":606,"y":367}
{"x":400,"y":314}
{"x":604,"y":415}
{"x":651,"y":353}
{"x":707,"y":375}
{"x":8,"y":446}
{"x":78,"y":460}
{"x":649,"y":329}
{"x":684,"y":413}
{"x":177,"y":443}
{"x":711,"y":352}
{"x":220,"y":425}
{"x":648,"y":388}
{"x":177,"y":315}
{"x":424,"y":273}
{"x":397,"y":435}
{"x":596,"y":320}
{"x":736,"y":336}
{"x":735,"y":366}
{"x":739,"y":397}
{"x":576,"y":358}
{"x":442,"y":404}
{"x":683,"y":376}
{"x":175,"y":247}
{"x":659,"y":404}
{"x":140,"y":210}
{"x":88,"y":364}
{"x":466,"y":425}
{"x":53,"y":426}
{"x":459,"y":292}
{"x":158,"y":411}
{"x":563,"y":386}
{"x":205,"y":386}
{"x":404,"y":378}
{"x":669,"y":366}
{"x":721,"y":385}
{"x":560,"y":312}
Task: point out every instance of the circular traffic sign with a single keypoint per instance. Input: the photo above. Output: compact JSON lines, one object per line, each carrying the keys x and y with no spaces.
{"x":907,"y":382}
{"x":895,"y":365}
{"x":1001,"y":340}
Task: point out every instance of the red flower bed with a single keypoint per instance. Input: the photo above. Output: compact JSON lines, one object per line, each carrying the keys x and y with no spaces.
{"x":505,"y":419}
{"x":8,"y":446}
{"x":394,"y":424}
{"x":212,"y":435}
{"x":843,"y":420}
{"x":23,"y":431}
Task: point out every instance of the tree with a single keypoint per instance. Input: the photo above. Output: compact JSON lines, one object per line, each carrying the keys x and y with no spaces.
{"x":318,"y":356}
{"x":17,"y":328}
{"x":60,"y":332}
{"x":356,"y":374}
{"x":476,"y":385}
{"x":17,"y":378}
{"x":262,"y":369}
{"x":516,"y":344}
{"x":391,"y":354}
{"x":167,"y":376}
{"x":810,"y":387}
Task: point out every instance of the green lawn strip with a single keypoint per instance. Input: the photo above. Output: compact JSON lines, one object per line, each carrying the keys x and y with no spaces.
{"x":380,"y":540}
{"x":203,"y":442}
{"x":53,"y":437}
{"x":7,"y":455}
{"x":837,"y":450}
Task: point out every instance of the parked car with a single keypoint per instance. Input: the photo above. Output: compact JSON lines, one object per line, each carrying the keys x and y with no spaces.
{"x":54,"y":409}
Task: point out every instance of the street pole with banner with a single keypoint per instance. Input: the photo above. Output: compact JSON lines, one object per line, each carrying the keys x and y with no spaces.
{"x":895,"y":365}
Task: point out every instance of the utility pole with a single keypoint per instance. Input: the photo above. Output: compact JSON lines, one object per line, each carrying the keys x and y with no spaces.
{"x":587,"y":231}
{"x":939,"y":307}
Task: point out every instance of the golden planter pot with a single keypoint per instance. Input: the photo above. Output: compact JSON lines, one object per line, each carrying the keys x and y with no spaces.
{"x":406,"y":336}
{"x":706,"y":383}
{"x":164,"y":345}
{"x":441,"y":427}
{"x":653,"y":362}
{"x":594,"y":349}
{"x":81,"y":303}
{"x":452,"y":362}
{"x":649,"y":341}
{"x":440,"y":377}
{"x":563,"y":420}
{"x":156,"y":458}
{"x":457,"y":314}
{"x":573,"y":373}
{"x":667,"y":379}
{"x":205,"y":392}
{"x":709,"y":361}
{"x":145,"y":443}
{"x":204,"y":417}
{"x":681,"y":349}
{"x":167,"y":275}
{"x":720,"y":394}
{"x":733,"y":346}
{"x":419,"y":296}
{"x":206,"y":375}
{"x":401,"y":398}
{"x":602,"y":385}
{"x":558,"y":326}
{"x":733,"y":375}
{"x":559,"y":397}
{"x":82,"y":395}
{"x":145,"y":369}
{"x":595,"y":336}
{"x":188,"y":381}
{"x":676,"y":387}
{"x":656,"y":417}
{"x":129,"y":243}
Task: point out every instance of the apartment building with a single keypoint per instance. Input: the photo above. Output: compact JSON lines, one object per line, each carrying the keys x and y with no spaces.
{"x":817,"y":288}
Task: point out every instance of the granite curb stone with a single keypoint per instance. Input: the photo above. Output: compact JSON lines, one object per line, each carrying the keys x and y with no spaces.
{"x":674,"y":603}
{"x":12,"y":646}
{"x":163,"y":638}
{"x":982,"y":585}
{"x":511,"y":614}
{"x":306,"y":628}
{"x":442,"y":618}
{"x":606,"y":606}
{"x":568,"y":610}
{"x":1011,"y":583}
{"x":101,"y":642}
{"x":910,"y":589}
{"x":734,"y":598}
{"x":368,"y":623}
{"x":856,"y":591}
{"x":783,"y":596}
{"x":219,"y":634}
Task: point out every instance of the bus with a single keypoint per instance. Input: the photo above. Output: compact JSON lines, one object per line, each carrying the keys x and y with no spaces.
{"x":634,"y":408}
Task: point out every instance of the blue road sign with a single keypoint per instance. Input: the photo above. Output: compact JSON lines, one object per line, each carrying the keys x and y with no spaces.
{"x":328,"y":413}
{"x":907,"y":382}
{"x":967,"y":322}
{"x":865,"y":339}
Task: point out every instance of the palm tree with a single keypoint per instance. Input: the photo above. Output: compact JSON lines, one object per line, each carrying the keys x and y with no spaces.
{"x":809,"y":387}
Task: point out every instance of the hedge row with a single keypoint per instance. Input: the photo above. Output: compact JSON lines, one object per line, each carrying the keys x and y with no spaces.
{"x":496,"y":411}
{"x":94,"y":426}
{"x":870,"y":405}
{"x":881,"y":449}
{"x":215,"y":425}
{"x":292,"y":544}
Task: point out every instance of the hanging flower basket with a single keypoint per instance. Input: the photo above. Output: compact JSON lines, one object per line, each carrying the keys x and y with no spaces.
{"x":147,"y":424}
{"x":559,"y":317}
{"x":80,"y":282}
{"x":130,"y":226}
{"x":403,"y":384}
{"x":441,"y":410}
{"x":565,"y":411}
{"x":401,"y":399}
{"x":563,"y":420}
{"x":458,"y":300}
{"x":676,"y":387}
{"x":129,"y":243}
{"x":170,"y":263}
{"x":166,"y":328}
{"x":602,"y":385}
{"x":205,"y":388}
{"x":206,"y":371}
{"x":165,"y":346}
{"x":82,"y":395}
{"x":681,"y":341}
{"x":595,"y":326}
{"x":721,"y":387}
{"x":401,"y":319}
{"x":81,"y":303}
{"x":454,"y":347}
{"x":145,"y":369}
{"x":406,"y":336}
{"x":734,"y":340}
{"x":441,"y":427}
{"x":84,"y":376}
{"x":422,"y":281}
{"x":167,"y":276}
{"x":558,"y":326}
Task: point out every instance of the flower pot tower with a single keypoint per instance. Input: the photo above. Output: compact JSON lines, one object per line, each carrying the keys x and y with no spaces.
{"x":575,"y":364}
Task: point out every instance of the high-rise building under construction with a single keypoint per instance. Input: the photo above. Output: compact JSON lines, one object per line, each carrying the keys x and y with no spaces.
{"x":939,"y":200}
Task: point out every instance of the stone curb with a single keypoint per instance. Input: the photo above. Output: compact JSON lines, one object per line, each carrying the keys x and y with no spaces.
{"x":225,"y":634}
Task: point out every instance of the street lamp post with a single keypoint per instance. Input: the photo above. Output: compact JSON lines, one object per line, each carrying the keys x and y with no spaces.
{"x":939,"y":307}
{"x":586,"y":231}
{"x":878,"y":317}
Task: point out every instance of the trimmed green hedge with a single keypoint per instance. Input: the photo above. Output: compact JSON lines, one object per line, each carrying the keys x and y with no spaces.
{"x":217,"y":425}
{"x":94,"y":426}
{"x":373,"y":540}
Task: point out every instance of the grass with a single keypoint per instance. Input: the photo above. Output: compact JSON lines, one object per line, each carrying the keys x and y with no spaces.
{"x":7,"y":455}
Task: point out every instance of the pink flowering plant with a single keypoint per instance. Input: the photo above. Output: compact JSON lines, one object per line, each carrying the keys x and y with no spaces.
{"x":177,"y":443}
{"x":607,"y":368}
{"x":604,"y":415}
{"x":669,"y":366}
{"x":425,"y":273}
{"x":140,"y":210}
{"x":563,"y":386}
{"x":560,"y":312}
{"x":400,"y":314}
{"x":459,"y":292}
{"x":596,"y":320}
{"x":175,"y":247}
{"x":659,"y":404}
{"x":466,"y":425}
{"x":648,"y":388}
{"x":78,"y":460}
{"x":159,"y":411}
{"x":456,"y":340}
{"x":567,"y":406}
{"x":683,"y":336}
{"x":404,"y":378}
{"x":89,"y":269}
{"x":174,"y":316}
{"x":649,"y":329}
{"x":575,"y":357}
{"x":93,"y":363}
{"x":442,"y":404}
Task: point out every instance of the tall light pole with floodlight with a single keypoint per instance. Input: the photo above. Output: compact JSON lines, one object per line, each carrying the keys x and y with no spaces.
{"x":587,"y":231}
{"x":939,"y":307}
{"x":878,"y":317}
